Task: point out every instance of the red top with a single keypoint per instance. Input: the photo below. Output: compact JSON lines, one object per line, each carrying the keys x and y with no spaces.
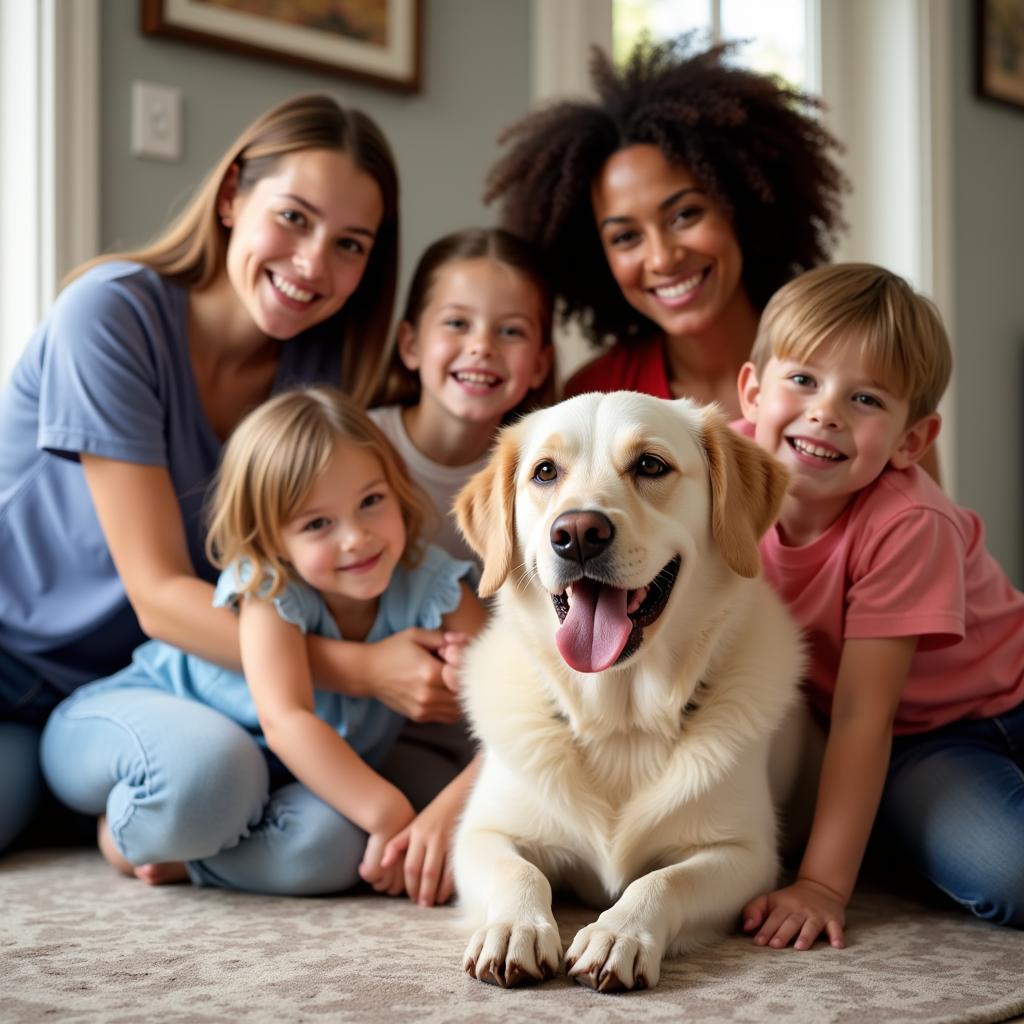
{"x":639,"y":366}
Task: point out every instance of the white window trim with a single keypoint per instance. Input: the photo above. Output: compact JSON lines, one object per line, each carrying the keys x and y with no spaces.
{"x":937,"y":252}
{"x":49,"y":156}
{"x":895,"y":120}
{"x":563,"y":31}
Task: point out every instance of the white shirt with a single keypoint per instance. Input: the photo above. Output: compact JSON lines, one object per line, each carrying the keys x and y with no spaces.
{"x":440,"y":482}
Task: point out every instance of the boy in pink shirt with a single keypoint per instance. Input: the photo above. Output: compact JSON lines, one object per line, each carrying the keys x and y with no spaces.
{"x":916,"y":637}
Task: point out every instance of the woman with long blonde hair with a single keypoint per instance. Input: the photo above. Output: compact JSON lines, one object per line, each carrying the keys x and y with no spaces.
{"x":280,"y":271}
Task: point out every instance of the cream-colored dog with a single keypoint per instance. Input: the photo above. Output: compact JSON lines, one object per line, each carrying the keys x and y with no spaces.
{"x":624,"y":691}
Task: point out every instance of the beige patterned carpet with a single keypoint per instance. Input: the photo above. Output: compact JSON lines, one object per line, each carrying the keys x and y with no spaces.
{"x":78,"y":943}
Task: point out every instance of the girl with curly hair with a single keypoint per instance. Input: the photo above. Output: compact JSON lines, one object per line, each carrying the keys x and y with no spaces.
{"x":670,"y":209}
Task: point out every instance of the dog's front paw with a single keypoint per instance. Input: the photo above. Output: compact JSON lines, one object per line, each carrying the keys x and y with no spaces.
{"x":511,"y":955}
{"x":613,"y":961}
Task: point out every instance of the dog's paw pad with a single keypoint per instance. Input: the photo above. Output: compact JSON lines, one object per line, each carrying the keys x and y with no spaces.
{"x":600,"y":981}
{"x":515,"y":976}
{"x":607,"y":961}
{"x":603,"y":981}
{"x":513,"y":956}
{"x":491,"y":973}
{"x":609,"y":981}
{"x":507,"y":974}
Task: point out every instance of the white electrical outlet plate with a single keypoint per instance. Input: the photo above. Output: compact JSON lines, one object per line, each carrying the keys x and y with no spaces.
{"x":156,"y":121}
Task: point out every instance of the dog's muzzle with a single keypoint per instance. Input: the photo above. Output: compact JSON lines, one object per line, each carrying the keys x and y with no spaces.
{"x":602,"y":625}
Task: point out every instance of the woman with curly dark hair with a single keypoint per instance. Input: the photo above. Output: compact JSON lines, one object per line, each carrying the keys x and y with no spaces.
{"x":670,"y":209}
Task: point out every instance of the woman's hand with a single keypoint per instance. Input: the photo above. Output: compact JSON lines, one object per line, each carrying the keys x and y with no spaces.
{"x":426,"y":843}
{"x":451,"y":652}
{"x":405,"y":672}
{"x":460,"y":627}
{"x":420,"y":852}
{"x":425,"y":846}
{"x":801,"y":911}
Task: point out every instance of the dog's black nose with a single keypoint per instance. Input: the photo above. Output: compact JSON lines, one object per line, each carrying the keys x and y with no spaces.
{"x":580,"y":535}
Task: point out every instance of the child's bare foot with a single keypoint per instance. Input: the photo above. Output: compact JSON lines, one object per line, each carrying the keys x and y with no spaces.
{"x":111,"y":854}
{"x":169,"y":873}
{"x":152,"y":874}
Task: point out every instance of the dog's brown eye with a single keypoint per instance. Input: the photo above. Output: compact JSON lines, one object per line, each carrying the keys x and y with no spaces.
{"x":545,"y":472}
{"x":651,"y":465}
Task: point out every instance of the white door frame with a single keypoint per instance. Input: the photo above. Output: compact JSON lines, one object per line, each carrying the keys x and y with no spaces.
{"x":49,"y":156}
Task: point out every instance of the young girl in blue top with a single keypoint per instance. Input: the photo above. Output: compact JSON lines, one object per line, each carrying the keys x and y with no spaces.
{"x":318,"y":531}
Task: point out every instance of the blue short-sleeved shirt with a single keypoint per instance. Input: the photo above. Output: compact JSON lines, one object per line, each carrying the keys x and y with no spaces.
{"x":414,"y":597}
{"x":107,"y":372}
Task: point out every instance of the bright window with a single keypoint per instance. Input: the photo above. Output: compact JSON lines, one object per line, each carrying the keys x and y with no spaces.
{"x":775,"y":34}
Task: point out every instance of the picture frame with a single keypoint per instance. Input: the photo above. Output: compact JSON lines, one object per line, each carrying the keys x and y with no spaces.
{"x":999,"y":34}
{"x":375,"y":41}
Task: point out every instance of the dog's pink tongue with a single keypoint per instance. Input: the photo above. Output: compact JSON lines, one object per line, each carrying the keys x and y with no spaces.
{"x":596,"y":627}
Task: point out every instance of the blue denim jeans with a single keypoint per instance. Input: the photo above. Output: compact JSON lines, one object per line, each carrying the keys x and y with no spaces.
{"x":953,"y":810}
{"x":180,"y":781}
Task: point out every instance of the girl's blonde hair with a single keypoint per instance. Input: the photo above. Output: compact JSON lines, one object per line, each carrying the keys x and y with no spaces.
{"x":401,"y":386}
{"x":899,"y":332}
{"x":192,"y":249}
{"x":270,"y":463}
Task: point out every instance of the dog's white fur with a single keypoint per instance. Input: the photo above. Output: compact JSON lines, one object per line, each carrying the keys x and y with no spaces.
{"x":644,"y":786}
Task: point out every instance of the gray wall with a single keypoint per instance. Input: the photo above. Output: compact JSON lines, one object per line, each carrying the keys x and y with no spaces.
{"x":476,"y":79}
{"x":988,"y":311}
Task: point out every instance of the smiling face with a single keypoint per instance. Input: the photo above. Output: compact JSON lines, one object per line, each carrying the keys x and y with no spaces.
{"x":610,"y":515}
{"x":348,"y":533}
{"x":833,"y":424}
{"x":478,"y":345}
{"x":300,"y":239}
{"x":670,"y":247}
{"x":600,"y":488}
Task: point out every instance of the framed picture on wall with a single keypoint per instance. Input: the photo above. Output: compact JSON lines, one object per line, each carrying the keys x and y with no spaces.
{"x":1000,"y":58}
{"x":374,"y":40}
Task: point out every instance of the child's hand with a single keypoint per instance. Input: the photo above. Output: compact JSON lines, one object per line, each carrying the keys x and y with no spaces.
{"x":451,"y":652}
{"x":804,"y":909}
{"x":426,"y":846}
{"x":426,"y":868}
{"x":406,"y":672}
{"x":386,"y":877}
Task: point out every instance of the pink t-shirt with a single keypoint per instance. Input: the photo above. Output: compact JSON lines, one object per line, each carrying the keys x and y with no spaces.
{"x":903,"y":560}
{"x":639,"y":366}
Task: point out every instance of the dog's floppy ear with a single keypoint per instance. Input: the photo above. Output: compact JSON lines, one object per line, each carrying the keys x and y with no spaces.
{"x":747,"y":487}
{"x":485,"y":510}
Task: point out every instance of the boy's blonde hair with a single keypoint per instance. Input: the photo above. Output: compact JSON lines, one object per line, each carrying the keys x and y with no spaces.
{"x":271,"y":462}
{"x":900,"y":332}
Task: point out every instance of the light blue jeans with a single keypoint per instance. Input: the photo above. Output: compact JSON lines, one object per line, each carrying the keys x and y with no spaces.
{"x":953,"y":810}
{"x":179,"y":781}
